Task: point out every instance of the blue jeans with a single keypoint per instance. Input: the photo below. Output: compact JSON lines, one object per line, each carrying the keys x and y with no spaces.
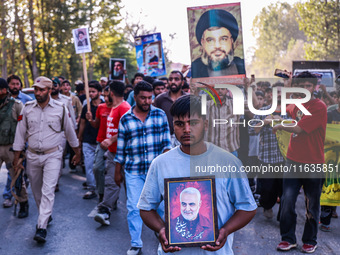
{"x":312,"y":189}
{"x":99,"y":168}
{"x":134,"y":187}
{"x":89,"y":152}
{"x":7,"y":190}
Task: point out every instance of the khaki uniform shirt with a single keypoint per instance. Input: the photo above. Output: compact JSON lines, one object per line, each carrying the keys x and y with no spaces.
{"x":41,"y":127}
{"x":67,"y":101}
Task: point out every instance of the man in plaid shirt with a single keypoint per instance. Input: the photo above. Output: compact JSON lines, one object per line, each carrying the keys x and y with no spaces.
{"x":143,"y":134}
{"x":269,"y":155}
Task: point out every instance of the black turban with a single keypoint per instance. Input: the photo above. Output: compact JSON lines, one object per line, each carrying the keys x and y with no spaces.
{"x":216,"y":18}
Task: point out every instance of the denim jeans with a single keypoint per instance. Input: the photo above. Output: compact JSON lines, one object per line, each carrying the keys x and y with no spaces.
{"x":312,"y":189}
{"x":134,"y":187}
{"x":89,"y":151}
{"x":7,"y":190}
{"x":99,"y":168}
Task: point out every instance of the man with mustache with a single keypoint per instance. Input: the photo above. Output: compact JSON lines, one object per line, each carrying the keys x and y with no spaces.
{"x":14,"y":86}
{"x":191,"y":226}
{"x":42,"y":123}
{"x":143,"y":134}
{"x":217,"y":31}
{"x":118,"y":71}
{"x":165,"y":100}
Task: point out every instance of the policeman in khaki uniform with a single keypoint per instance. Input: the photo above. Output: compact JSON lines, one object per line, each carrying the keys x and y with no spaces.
{"x":10,"y":109}
{"x":43,"y":123}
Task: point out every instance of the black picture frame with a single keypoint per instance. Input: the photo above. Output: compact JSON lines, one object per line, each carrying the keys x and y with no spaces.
{"x":204,"y":228}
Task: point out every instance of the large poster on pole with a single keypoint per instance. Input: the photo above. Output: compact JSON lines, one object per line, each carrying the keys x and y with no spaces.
{"x":149,"y":54}
{"x":216,"y":43}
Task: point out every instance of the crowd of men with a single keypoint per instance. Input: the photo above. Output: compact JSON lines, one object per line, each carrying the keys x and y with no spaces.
{"x":150,"y":129}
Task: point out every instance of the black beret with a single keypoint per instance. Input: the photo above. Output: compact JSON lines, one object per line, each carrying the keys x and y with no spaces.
{"x":3,"y":84}
{"x":216,"y":18}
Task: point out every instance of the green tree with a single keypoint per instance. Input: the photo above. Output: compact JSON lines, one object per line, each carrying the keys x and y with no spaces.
{"x":320,"y":21}
{"x":277,"y":30}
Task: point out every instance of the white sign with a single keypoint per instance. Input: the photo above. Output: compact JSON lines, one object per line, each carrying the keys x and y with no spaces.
{"x":81,"y":39}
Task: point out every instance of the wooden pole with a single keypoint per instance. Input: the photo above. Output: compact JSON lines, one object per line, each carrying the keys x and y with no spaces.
{"x":86,"y":83}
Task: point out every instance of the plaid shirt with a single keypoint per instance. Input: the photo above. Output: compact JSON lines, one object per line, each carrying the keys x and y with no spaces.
{"x":269,"y":151}
{"x":139,"y":143}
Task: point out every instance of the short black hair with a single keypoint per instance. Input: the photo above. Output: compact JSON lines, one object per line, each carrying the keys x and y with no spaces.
{"x":138,"y":75}
{"x":263,"y":84}
{"x":157,"y":83}
{"x":268,"y":90}
{"x":95,"y":85}
{"x":306,"y":77}
{"x":164,"y":79}
{"x":80,"y":87}
{"x":66,"y":81}
{"x":81,"y":32}
{"x":149,"y":79}
{"x":186,"y":105}
{"x":107,"y":88}
{"x":259,"y":93}
{"x":14,"y":77}
{"x":178,"y":72}
{"x":117,"y":88}
{"x":185,"y":85}
{"x":3,"y":84}
{"x":142,"y":86}
{"x":278,"y":84}
{"x":61,"y":77}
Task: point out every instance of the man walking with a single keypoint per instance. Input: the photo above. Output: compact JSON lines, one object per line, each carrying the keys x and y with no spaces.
{"x":143,"y":135}
{"x":9,"y":115}
{"x":43,"y":123}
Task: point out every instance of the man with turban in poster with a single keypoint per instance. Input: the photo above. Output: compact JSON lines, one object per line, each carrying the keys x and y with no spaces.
{"x":217,"y":31}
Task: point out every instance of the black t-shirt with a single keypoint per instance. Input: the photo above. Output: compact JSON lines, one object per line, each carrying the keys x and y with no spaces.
{"x":333,"y":117}
{"x":90,"y":133}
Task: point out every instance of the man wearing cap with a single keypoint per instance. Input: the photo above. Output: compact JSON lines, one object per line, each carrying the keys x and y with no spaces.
{"x":42,"y":123}
{"x":10,"y":109}
{"x":103,"y":82}
{"x":217,"y":31}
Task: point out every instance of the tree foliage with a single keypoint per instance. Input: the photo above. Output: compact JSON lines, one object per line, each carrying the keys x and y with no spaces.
{"x":277,"y":32}
{"x":46,"y":26}
{"x":320,"y":21}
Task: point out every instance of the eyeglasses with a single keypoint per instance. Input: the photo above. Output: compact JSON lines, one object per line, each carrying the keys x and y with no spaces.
{"x":176,"y":79}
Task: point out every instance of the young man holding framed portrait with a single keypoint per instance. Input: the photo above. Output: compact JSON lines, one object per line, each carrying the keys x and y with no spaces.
{"x":235,"y":203}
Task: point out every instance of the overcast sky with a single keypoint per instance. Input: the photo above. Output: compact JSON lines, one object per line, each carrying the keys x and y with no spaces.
{"x":171,"y":17}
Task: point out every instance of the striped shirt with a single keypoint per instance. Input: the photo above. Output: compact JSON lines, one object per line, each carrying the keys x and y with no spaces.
{"x":140,"y":142}
{"x":225,"y":136}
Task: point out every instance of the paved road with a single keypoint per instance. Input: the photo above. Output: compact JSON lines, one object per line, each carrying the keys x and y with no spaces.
{"x":74,"y":232}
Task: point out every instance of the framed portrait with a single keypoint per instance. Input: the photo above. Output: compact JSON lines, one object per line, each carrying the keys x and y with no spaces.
{"x":81,"y":39}
{"x":117,"y":67}
{"x":216,"y":44}
{"x":150,"y":55}
{"x":190,"y":211}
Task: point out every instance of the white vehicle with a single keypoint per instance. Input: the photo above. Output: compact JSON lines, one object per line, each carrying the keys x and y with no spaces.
{"x":328,"y":77}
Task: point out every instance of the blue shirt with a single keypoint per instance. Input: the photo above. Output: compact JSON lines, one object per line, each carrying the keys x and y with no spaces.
{"x":232,"y":190}
{"x":138,"y":142}
{"x":23,"y":97}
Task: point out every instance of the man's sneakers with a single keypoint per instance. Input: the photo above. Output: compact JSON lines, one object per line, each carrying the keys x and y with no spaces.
{"x":7,"y":203}
{"x":308,"y":248}
{"x":90,"y":194}
{"x":134,"y":251}
{"x":40,"y":235}
{"x":325,"y":228}
{"x":23,"y":212}
{"x":103,"y":216}
{"x":285,"y":246}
